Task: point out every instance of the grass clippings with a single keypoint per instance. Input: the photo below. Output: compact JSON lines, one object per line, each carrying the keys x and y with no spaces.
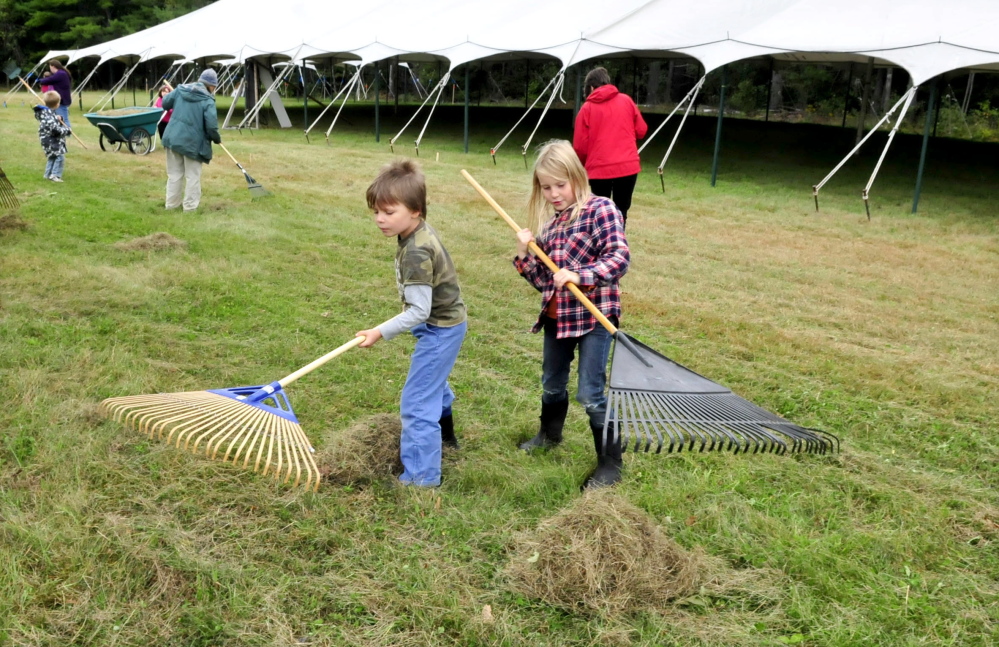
{"x":365,"y":452}
{"x":152,"y":242}
{"x":605,"y":556}
{"x":12,"y":222}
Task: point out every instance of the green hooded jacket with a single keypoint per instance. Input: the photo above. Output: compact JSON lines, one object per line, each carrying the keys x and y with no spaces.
{"x":194,"y":123}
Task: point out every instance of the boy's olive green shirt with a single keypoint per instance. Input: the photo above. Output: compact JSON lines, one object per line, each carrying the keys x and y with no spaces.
{"x":422,"y":260}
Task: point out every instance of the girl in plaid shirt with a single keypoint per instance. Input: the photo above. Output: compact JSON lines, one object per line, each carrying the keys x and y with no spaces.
{"x":584,"y":236}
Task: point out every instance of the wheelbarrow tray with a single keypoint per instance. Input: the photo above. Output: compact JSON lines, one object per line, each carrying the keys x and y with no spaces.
{"x":118,"y":126}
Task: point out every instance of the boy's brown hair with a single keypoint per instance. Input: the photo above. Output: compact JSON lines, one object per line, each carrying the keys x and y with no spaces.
{"x":400,"y":182}
{"x":51,"y":99}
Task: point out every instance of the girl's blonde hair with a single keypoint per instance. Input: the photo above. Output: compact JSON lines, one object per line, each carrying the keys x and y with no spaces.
{"x":557,"y":160}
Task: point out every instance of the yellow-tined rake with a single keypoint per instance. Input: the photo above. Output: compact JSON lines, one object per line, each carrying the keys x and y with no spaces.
{"x":246,"y":424}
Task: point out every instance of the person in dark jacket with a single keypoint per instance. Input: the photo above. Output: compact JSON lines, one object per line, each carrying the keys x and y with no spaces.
{"x":194,"y":125}
{"x":607,"y":129}
{"x":61,"y":82}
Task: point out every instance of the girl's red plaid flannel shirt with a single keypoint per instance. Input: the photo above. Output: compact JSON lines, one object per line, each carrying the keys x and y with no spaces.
{"x":594,"y":247}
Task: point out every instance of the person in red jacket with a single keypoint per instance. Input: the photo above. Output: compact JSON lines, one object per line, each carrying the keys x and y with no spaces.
{"x":607,"y":129}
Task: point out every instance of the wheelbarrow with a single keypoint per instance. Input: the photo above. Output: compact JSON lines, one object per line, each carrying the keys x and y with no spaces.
{"x":135,"y":127}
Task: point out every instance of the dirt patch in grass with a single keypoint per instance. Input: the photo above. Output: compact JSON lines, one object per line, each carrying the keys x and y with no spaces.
{"x":12,"y":222}
{"x":363,"y":453}
{"x":152,"y":242}
{"x":603,"y":555}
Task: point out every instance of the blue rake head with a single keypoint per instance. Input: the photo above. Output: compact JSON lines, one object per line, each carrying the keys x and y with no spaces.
{"x":267,"y":397}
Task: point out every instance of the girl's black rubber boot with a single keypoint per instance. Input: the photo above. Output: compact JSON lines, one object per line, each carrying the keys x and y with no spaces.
{"x":552,"y":422}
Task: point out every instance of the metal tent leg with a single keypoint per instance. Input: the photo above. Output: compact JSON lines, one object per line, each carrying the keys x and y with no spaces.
{"x":718,"y":132}
{"x":468,"y":95}
{"x":930,"y":108}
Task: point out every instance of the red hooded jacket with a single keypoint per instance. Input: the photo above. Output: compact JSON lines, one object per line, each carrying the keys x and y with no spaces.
{"x":607,"y":127}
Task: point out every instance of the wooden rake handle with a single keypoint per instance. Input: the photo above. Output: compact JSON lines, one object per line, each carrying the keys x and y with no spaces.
{"x":305,"y":370}
{"x":25,"y":84}
{"x":611,"y":328}
{"x":308,"y":368}
{"x":230,"y":155}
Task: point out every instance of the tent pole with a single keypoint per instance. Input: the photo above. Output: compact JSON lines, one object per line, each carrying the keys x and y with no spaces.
{"x":849,"y":91}
{"x":718,"y":132}
{"x":468,"y":96}
{"x":770,"y":89}
{"x":634,"y":79}
{"x":579,"y":92}
{"x":305,"y":92}
{"x":926,"y":141}
{"x":527,"y":84}
{"x":378,"y":125}
{"x":866,"y":99}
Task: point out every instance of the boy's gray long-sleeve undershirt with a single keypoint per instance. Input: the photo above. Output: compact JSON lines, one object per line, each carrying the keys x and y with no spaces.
{"x":418,"y":298}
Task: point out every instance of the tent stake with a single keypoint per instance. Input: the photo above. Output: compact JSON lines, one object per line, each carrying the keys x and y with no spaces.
{"x":931,"y":106}
{"x":718,"y":132}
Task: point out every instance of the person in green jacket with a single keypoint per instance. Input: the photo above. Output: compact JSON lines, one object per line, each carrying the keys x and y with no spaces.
{"x":188,"y":138}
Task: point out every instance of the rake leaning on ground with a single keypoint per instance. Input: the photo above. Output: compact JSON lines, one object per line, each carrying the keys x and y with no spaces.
{"x":652,"y":399}
{"x":256,"y":191}
{"x":246,"y":423}
{"x":8,"y":196}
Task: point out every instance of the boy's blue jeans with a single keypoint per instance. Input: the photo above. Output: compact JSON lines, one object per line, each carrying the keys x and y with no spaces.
{"x":53,"y":167}
{"x":594,"y":349}
{"x":425,"y":398}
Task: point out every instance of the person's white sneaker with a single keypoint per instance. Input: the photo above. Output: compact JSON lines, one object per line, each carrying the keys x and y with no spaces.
{"x":55,"y":179}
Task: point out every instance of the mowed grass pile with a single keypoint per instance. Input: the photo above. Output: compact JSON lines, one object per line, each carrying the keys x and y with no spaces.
{"x":882,"y":332}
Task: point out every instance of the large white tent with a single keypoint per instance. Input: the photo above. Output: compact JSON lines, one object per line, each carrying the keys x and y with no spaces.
{"x":927,"y":38}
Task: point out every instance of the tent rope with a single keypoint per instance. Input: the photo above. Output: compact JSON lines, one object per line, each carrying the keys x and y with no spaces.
{"x":345,"y":89}
{"x":492,"y":151}
{"x":440,"y":91}
{"x":557,"y":90}
{"x":906,"y":98}
{"x":891,"y":136}
{"x":692,"y":96}
{"x":253,"y":112}
{"x":79,"y":88}
{"x":235,"y":99}
{"x":103,"y":102}
{"x":354,"y":82}
{"x":436,"y":89}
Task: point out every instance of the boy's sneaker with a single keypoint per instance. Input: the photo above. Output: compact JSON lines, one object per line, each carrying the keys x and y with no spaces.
{"x":55,"y":179}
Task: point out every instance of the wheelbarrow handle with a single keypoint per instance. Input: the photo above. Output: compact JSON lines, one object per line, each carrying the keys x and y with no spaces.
{"x":25,"y":83}
{"x":604,"y":321}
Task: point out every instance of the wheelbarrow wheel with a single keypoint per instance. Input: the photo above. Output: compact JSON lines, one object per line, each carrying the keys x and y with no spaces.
{"x":108,"y":145}
{"x":140,"y":142}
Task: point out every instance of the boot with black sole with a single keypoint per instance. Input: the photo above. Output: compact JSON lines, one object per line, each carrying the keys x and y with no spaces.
{"x":609,"y":463}
{"x":550,"y":432}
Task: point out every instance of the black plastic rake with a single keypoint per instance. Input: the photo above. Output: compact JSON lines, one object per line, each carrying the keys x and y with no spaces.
{"x":661,"y":405}
{"x":655,"y":403}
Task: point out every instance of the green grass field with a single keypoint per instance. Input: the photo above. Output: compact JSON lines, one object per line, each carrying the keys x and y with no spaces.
{"x":885,"y":333}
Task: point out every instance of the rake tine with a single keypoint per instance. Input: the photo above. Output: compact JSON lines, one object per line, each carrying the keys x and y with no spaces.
{"x":221,"y":432}
{"x":641,"y":405}
{"x":683,"y":421}
{"x":632,"y":418}
{"x":674,"y":433}
{"x":240,"y":425}
{"x":691,"y":416}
